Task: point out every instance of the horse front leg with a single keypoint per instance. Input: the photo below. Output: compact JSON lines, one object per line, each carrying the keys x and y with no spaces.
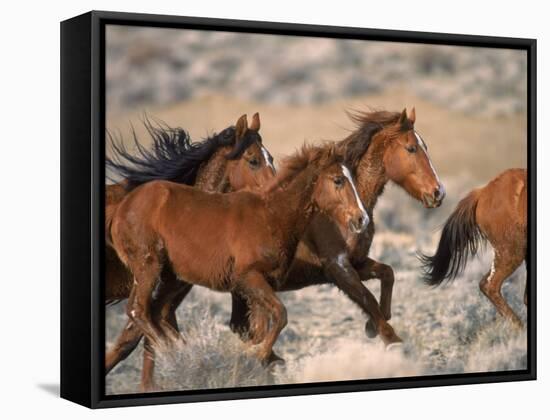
{"x":348,"y":280}
{"x":372,"y":269}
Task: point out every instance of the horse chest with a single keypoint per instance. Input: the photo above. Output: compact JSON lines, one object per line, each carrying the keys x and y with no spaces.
{"x":359,"y":249}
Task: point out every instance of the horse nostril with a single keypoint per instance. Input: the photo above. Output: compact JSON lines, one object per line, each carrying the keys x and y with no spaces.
{"x":360,"y":221}
{"x":439,"y":193}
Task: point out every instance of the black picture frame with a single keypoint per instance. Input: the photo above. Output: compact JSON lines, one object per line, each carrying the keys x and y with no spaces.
{"x":82,"y":207}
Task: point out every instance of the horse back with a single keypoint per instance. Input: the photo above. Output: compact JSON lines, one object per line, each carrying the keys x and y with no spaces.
{"x":502,"y":205}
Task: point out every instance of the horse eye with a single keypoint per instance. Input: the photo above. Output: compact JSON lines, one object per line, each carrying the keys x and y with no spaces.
{"x":339,"y":181}
{"x":411,"y":149}
{"x":254,"y":163}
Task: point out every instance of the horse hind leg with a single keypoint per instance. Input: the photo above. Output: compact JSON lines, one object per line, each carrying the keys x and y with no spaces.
{"x":504,"y":264}
{"x":125,"y":344}
{"x":170,"y":297}
{"x":239,"y":322}
{"x":146,"y":276}
{"x":258,"y":292}
{"x":148,"y":367}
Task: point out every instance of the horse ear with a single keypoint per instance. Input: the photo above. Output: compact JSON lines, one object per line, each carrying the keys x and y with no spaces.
{"x":412,"y":115}
{"x":241,"y":127}
{"x":402,"y":117}
{"x":255,"y":125}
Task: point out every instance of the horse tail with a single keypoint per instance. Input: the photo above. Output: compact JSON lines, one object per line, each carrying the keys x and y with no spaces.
{"x":460,"y":239}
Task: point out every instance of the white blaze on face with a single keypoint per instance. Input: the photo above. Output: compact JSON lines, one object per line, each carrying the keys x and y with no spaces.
{"x":347,"y":174}
{"x":267,"y":157}
{"x":423,"y":146}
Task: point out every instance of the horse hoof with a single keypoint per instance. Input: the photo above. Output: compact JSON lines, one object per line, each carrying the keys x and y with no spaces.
{"x":273,"y":360}
{"x":370,"y":329}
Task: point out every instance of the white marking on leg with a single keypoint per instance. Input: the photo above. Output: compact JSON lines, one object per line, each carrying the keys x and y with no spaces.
{"x":347,"y":174}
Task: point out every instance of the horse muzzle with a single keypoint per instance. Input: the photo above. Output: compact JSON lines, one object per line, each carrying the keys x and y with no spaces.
{"x":358,"y":225}
{"x":435,"y":199}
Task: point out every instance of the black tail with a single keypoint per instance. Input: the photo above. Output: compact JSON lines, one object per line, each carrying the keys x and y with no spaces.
{"x":460,"y":239}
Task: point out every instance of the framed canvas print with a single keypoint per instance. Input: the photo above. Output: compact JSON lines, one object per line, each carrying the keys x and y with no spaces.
{"x":255,"y":209}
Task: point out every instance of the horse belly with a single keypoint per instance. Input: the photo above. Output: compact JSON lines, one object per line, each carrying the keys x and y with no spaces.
{"x":201,"y":257}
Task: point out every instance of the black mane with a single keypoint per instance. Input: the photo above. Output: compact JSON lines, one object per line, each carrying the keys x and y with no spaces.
{"x":172,"y":156}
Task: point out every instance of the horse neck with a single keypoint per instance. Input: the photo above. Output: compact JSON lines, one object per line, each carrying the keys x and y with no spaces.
{"x":211,"y":175}
{"x":291,"y":207}
{"x":370,"y":174}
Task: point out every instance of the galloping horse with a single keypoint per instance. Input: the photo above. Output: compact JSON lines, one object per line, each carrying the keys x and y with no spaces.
{"x":228,"y":161}
{"x":496,"y":213}
{"x":384,"y":147}
{"x":242,"y":242}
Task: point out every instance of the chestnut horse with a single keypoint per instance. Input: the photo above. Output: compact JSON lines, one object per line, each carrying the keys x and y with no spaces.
{"x":241,"y":242}
{"x":228,"y":161}
{"x":384,"y":147}
{"x":496,"y":213}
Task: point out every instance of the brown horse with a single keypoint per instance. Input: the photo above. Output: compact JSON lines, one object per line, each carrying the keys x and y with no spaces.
{"x":384,"y":147}
{"x":241,"y":242}
{"x":229,"y":161}
{"x":497,"y":213}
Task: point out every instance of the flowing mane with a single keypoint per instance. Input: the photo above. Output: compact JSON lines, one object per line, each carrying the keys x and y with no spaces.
{"x":321,"y":155}
{"x":367,"y":125}
{"x":172,"y":156}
